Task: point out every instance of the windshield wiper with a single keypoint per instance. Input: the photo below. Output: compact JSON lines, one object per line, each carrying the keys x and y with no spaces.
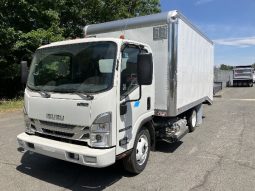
{"x":44,"y":94}
{"x":84,"y":96}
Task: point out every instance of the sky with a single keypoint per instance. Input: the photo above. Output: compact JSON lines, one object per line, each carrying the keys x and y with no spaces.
{"x":229,"y":23}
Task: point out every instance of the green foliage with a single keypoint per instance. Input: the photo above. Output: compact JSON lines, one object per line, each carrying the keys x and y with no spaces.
{"x":10,"y":105}
{"x":26,"y":24}
{"x":226,"y":67}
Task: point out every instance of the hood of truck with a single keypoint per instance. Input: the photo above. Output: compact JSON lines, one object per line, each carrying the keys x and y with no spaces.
{"x":59,"y":108}
{"x":64,"y":108}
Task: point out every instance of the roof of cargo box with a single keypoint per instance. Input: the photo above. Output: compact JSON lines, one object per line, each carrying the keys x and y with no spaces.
{"x":139,"y":22}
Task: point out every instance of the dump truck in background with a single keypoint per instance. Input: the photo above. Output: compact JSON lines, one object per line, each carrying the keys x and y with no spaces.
{"x":243,"y":76}
{"x":114,"y":94}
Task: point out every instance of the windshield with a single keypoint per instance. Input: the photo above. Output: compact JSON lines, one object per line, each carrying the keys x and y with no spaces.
{"x":84,"y":67}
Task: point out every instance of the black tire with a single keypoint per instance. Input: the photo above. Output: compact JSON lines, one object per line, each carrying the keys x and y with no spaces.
{"x":192,"y":120}
{"x":131,"y":164}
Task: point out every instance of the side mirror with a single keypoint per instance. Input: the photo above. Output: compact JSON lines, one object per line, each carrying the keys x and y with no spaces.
{"x":24,"y":71}
{"x":144,"y":69}
{"x":123,"y":108}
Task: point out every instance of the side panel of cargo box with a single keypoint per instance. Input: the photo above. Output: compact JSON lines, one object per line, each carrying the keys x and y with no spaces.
{"x":194,"y":67}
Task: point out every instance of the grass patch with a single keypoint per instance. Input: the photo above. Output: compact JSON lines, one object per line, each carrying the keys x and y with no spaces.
{"x":9,"y":105}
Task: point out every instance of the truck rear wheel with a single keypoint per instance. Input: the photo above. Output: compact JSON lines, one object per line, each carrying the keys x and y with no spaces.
{"x":137,"y":160}
{"x":192,"y":120}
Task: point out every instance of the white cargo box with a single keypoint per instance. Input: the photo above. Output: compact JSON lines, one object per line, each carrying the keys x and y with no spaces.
{"x":183,"y":58}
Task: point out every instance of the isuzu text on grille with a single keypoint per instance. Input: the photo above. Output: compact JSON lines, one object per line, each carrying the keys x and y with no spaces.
{"x":55,"y":117}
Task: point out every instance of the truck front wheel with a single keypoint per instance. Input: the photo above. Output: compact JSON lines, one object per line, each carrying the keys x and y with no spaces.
{"x":137,"y":160}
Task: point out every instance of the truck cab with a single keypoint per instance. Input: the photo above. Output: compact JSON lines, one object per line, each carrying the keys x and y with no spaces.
{"x":83,"y":102}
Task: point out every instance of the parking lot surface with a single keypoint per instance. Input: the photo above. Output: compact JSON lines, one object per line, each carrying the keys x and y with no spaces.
{"x":219,"y":155}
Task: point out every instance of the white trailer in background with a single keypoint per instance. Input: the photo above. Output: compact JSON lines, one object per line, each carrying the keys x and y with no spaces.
{"x":243,"y":76}
{"x":108,"y":98}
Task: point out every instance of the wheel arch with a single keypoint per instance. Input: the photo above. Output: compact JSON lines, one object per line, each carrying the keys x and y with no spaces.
{"x":146,"y":122}
{"x":149,"y":125}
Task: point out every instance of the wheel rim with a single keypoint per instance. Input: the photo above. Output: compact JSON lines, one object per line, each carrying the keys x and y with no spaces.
{"x":142,"y":149}
{"x":194,"y":119}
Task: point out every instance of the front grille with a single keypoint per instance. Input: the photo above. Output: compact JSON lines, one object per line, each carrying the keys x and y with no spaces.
{"x":61,"y":139}
{"x":60,"y":125}
{"x":72,"y":132}
{"x":58,"y":133}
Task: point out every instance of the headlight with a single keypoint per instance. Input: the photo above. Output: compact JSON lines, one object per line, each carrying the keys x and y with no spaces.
{"x":101,"y":131}
{"x":28,"y":121}
{"x":101,"y":127}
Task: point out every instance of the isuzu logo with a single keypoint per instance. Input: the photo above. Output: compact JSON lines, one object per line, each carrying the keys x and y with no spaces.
{"x":55,"y":117}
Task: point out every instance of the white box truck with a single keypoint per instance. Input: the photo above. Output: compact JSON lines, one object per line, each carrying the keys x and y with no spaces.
{"x":243,"y":75}
{"x":114,"y":93}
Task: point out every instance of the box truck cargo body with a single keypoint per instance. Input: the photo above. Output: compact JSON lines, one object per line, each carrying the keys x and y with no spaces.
{"x":183,"y":57}
{"x":113,"y":94}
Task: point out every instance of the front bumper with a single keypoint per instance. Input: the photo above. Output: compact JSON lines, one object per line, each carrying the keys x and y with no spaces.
{"x":66,"y":151}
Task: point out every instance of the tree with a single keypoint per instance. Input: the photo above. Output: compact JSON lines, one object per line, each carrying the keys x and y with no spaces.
{"x":253,"y":65}
{"x":226,"y":67}
{"x":25,"y":24}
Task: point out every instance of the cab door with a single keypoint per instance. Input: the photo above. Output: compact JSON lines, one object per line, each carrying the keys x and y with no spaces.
{"x":129,"y":90}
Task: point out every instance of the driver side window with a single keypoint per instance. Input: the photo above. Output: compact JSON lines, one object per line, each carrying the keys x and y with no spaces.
{"x":128,"y":70}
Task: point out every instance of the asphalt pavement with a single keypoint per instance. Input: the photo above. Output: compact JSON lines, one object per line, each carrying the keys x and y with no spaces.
{"x":219,"y":155}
